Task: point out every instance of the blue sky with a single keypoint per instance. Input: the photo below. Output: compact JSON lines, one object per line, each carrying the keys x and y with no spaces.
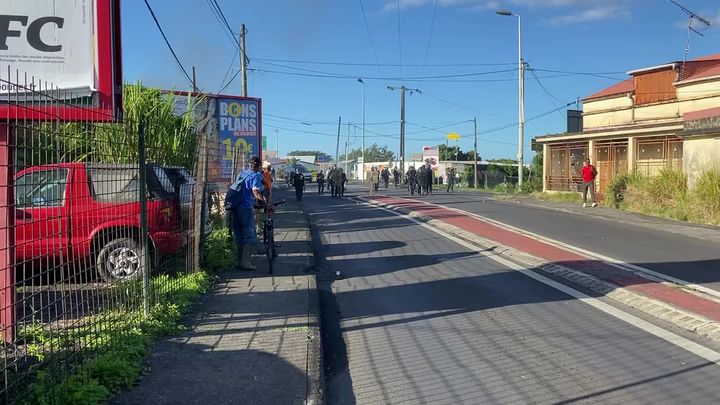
{"x":467,"y":57}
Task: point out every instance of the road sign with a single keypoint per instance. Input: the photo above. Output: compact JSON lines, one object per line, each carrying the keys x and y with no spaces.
{"x":264,"y":142}
{"x":452,"y":136}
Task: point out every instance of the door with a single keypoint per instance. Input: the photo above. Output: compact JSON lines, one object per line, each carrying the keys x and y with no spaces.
{"x":42,"y":214}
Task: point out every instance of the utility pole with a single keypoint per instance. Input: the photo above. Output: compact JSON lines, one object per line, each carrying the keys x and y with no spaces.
{"x":195,"y":89}
{"x":402,"y":89}
{"x":243,"y":58}
{"x":475,"y":158}
{"x":347,"y":143}
{"x":277,"y":144}
{"x":337,"y":144}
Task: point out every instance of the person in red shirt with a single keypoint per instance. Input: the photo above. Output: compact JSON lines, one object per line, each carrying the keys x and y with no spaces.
{"x":588,"y":182}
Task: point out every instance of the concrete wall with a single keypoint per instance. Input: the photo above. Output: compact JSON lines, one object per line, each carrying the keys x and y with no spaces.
{"x":700,"y":154}
{"x":620,"y":110}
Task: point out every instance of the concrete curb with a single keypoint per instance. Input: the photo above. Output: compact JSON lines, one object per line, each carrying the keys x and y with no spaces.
{"x":315,"y":379}
{"x":691,"y":322}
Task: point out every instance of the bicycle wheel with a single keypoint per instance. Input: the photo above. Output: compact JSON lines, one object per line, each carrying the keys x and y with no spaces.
{"x":270,"y":251}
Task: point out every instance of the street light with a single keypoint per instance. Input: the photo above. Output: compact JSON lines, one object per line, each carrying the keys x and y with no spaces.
{"x":362,"y":168}
{"x":521,"y":95}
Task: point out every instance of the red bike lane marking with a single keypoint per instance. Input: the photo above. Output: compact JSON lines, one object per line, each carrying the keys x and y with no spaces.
{"x":558,"y":255}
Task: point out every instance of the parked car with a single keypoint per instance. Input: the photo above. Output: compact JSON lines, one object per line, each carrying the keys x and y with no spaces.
{"x":184,"y":184}
{"x":302,"y":169}
{"x":80,"y":211}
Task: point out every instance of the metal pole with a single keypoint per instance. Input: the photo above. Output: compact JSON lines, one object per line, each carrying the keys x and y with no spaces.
{"x":142,"y":167}
{"x":277,"y":144}
{"x":521,"y":107}
{"x":402,"y":129}
{"x":347,"y":142}
{"x":363,"y":133}
{"x":337,"y":144}
{"x":243,"y":64}
{"x":475,"y":158}
{"x":194,"y":84}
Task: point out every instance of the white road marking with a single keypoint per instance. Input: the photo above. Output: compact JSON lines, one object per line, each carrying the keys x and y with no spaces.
{"x":618,"y":264}
{"x":677,"y":340}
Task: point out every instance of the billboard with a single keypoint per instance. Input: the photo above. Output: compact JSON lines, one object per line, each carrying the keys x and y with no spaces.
{"x":68,"y":50}
{"x":239,"y":134}
{"x":431,"y":154}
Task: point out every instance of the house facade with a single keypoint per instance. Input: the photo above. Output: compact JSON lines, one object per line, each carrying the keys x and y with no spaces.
{"x":662,"y":116}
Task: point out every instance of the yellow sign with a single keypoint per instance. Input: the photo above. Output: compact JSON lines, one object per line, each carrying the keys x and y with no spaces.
{"x":452,"y":136}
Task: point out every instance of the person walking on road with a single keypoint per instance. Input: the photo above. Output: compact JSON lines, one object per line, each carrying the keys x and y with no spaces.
{"x":430,"y":177}
{"x":336,"y":179}
{"x":320,"y":178}
{"x":588,"y":177}
{"x":451,"y":180}
{"x":243,"y":194}
{"x":374,"y":180}
{"x":385,"y":174}
{"x":412,"y":180}
{"x":396,"y":176}
{"x":343,"y":181}
{"x":299,"y":183}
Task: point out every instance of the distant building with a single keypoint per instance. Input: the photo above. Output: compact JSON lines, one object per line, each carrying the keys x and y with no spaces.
{"x":662,"y":116}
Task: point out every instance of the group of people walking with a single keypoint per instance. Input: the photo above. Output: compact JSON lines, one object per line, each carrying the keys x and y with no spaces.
{"x":420,"y":181}
{"x":336,"y":179}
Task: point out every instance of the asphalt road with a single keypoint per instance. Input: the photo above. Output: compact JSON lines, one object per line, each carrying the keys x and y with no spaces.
{"x":690,"y":259}
{"x":419,"y":318}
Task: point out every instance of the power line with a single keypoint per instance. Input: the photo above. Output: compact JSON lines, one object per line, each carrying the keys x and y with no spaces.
{"x":157,"y":23}
{"x":427,"y":48}
{"x":355,"y":77}
{"x":219,"y":19}
{"x":309,"y":62}
{"x":547,"y":93}
{"x":372,"y":44}
{"x":229,"y":69}
{"x":232,"y":79}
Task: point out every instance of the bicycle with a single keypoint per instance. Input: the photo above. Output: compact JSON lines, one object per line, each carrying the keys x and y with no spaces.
{"x":268,"y":235}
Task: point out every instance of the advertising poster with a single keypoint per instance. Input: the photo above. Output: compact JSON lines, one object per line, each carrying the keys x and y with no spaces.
{"x":239,"y":134}
{"x":431,"y":154}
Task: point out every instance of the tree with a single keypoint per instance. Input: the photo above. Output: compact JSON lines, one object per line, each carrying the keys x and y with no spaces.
{"x":372,"y":154}
{"x":454,"y":153}
{"x":319,"y":156}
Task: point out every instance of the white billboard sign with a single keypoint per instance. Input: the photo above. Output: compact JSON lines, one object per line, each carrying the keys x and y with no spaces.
{"x":48,"y":41}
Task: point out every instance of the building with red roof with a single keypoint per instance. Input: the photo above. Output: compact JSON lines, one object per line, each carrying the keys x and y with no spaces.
{"x":661,"y":116}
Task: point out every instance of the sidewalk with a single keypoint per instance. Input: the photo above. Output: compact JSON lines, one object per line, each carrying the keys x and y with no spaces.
{"x":704,"y":232}
{"x":255,"y":340}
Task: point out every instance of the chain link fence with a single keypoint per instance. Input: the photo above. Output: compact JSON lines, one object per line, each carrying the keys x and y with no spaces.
{"x":101,"y":222}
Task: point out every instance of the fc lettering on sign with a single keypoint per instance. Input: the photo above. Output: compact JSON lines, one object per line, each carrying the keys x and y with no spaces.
{"x":32,"y":33}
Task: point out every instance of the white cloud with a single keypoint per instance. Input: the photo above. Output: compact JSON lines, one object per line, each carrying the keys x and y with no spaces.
{"x":591,"y":14}
{"x":583,"y":10}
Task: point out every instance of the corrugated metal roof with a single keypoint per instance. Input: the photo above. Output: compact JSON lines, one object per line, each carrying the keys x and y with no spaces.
{"x":694,"y":69}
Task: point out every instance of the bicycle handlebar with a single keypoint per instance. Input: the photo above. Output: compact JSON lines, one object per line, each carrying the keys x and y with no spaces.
{"x":275,"y":204}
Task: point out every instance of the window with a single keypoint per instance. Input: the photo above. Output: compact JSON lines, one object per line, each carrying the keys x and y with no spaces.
{"x":114,"y":185}
{"x":43,"y":188}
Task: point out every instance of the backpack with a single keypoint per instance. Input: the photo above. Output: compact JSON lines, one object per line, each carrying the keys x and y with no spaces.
{"x":233,"y":197}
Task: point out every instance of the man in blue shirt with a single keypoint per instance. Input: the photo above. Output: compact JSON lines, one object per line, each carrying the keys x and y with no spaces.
{"x":249,"y":184}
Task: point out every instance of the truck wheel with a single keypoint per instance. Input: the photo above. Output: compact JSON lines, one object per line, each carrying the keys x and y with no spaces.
{"x":120,"y":260}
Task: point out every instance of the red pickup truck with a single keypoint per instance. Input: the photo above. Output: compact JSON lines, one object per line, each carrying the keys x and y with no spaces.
{"x":71,"y":212}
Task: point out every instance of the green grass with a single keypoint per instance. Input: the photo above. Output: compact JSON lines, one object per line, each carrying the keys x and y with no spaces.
{"x":563,"y":197}
{"x":115,"y":343}
{"x":667,"y":195}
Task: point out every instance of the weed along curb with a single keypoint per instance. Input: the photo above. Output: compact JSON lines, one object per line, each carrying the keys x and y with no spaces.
{"x":691,"y":322}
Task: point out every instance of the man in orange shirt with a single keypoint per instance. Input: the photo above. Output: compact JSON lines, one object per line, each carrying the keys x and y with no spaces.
{"x":267,"y":182}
